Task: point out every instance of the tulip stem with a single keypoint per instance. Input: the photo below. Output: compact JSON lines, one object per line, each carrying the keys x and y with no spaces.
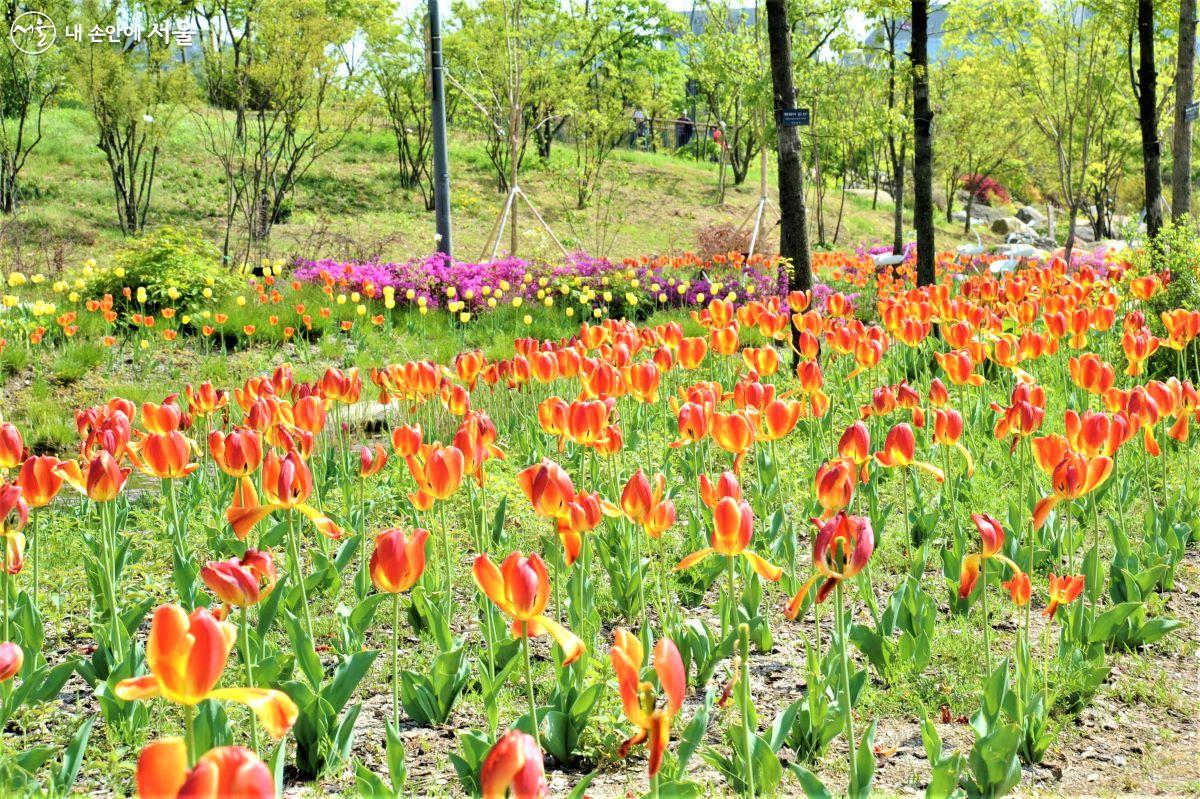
{"x":245,"y":631}
{"x":298,"y":570}
{"x":37,"y":553}
{"x":983,"y":606}
{"x":727,"y":625}
{"x":747,"y":733}
{"x":848,"y":710}
{"x":449,"y":571}
{"x":396,"y":660}
{"x":189,"y":733}
{"x":533,"y":719}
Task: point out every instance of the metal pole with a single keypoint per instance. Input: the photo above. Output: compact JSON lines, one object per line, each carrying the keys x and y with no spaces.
{"x":441,"y":162}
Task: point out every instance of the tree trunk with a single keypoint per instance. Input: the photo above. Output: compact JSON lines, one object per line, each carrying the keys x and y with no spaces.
{"x":1148,"y":116}
{"x":793,"y":223}
{"x":898,"y":200}
{"x":1181,"y":145}
{"x":970,"y":208}
{"x":1072,"y":216}
{"x":922,"y":145}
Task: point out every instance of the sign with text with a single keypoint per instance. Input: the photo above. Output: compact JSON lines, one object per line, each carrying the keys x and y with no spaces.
{"x":795,"y":117}
{"x":1191,"y":112}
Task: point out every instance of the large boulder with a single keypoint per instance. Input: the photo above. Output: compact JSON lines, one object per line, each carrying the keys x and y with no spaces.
{"x":1084,"y":231}
{"x":1008,"y":225}
{"x":1030,"y":215}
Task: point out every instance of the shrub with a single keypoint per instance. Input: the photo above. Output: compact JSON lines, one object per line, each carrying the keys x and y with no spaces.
{"x":174,"y":267}
{"x":985,"y":188}
{"x":723,"y":239}
{"x":1175,"y":254}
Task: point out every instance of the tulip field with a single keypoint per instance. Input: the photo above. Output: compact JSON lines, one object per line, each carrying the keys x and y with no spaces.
{"x":655,"y":529}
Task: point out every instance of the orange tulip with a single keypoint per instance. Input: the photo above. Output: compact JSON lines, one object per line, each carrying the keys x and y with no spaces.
{"x":841,"y":550}
{"x":734,"y":433}
{"x":14,"y":511}
{"x":899,"y":450}
{"x":520,"y":588}
{"x":238,"y":453}
{"x":513,"y":768}
{"x":855,"y":446}
{"x":1073,"y":477}
{"x":638,"y":698}
{"x":552,"y":417}
{"x":103,"y":481}
{"x":548,"y":488}
{"x":726,"y":486}
{"x":692,"y":351}
{"x":286,"y":484}
{"x":476,"y":439}
{"x":243,"y":581}
{"x":12,"y":448}
{"x":339,"y":386}
{"x":455,"y":399}
{"x":948,"y":430}
{"x":777,"y":418}
{"x":12,"y":658}
{"x":407,"y":440}
{"x":992,"y":535}
{"x":398,"y":560}
{"x":226,"y":771}
{"x":166,"y":456}
{"x":1063,"y":591}
{"x":371,"y":460}
{"x":162,"y":419}
{"x":643,"y":380}
{"x":438,"y":473}
{"x":186,"y":655}
{"x":38,"y":481}
{"x":959,"y":367}
{"x":1138,"y":347}
{"x":645,"y":506}
{"x":587,"y":422}
{"x":205,"y":400}
{"x":583,"y":515}
{"x":308,"y":414}
{"x":1019,"y":588}
{"x":834,"y":485}
{"x":468,"y":365}
{"x":733,"y":526}
{"x":1095,"y":434}
{"x":14,"y":545}
{"x":763,"y":360}
{"x":693,"y":419}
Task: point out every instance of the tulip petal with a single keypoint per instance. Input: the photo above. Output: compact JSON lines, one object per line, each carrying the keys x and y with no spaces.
{"x":325,"y":526}
{"x":793,"y":607}
{"x":162,"y":769}
{"x":691,"y":560}
{"x":491,"y":582}
{"x":768,"y":571}
{"x":275,"y":710}
{"x":570,"y":643}
{"x":137,"y":688}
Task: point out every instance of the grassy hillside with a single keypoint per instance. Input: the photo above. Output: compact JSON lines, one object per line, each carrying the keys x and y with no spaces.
{"x":348,"y":206}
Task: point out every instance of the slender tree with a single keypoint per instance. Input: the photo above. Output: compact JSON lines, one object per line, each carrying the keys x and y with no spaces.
{"x":793,"y":223}
{"x":922,"y":145}
{"x":1181,"y":142}
{"x":1146,"y":90}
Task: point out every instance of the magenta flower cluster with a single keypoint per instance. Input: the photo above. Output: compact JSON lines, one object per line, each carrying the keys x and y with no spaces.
{"x":656,"y":278}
